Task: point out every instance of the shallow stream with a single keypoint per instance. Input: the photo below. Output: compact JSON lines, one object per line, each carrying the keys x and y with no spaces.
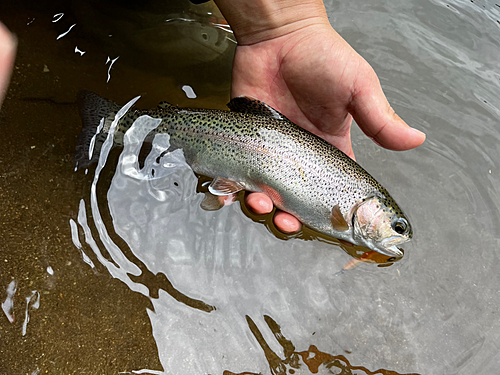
{"x":119,"y":270}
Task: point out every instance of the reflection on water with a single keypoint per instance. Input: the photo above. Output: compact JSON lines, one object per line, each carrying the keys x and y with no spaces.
{"x":119,"y":270}
{"x":310,"y":361}
{"x":178,"y":34}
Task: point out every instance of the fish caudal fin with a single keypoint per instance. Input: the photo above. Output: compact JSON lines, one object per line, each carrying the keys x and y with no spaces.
{"x":93,"y":109}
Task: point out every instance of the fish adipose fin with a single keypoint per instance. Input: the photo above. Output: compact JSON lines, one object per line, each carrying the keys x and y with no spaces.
{"x":223,"y":186}
{"x":92,"y":109}
{"x":337,"y":220}
{"x":245,"y":104}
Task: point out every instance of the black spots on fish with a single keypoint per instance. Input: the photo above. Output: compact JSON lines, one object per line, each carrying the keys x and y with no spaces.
{"x":389,"y":206}
{"x":164,"y":105}
{"x":248,"y":105}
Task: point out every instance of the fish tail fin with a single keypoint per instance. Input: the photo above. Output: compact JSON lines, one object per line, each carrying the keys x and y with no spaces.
{"x":93,"y":109}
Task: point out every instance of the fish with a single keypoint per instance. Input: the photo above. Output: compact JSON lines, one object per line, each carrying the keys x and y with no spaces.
{"x":254,"y":147}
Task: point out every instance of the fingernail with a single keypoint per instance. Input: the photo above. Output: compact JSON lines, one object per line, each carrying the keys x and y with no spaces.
{"x":418,"y":132}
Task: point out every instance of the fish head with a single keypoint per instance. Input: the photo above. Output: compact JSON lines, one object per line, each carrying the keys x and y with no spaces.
{"x":379,"y":224}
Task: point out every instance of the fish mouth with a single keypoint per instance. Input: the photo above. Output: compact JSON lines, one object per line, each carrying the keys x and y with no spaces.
{"x":392,"y":251}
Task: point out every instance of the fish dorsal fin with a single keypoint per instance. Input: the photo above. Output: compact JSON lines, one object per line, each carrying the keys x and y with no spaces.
{"x":223,"y":186}
{"x":246,"y":104}
{"x":337,"y":220}
{"x":164,"y":105}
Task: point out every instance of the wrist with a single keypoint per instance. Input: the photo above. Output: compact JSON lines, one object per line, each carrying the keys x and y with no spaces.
{"x":254,"y":21}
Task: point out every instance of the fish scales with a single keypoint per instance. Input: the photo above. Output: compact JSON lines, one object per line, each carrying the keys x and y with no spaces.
{"x":264,"y":151}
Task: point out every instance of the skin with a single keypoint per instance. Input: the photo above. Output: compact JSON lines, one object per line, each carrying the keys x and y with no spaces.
{"x":8,"y":45}
{"x":289,"y":56}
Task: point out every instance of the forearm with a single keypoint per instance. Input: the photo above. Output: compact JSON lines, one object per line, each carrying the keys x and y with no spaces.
{"x":254,"y":21}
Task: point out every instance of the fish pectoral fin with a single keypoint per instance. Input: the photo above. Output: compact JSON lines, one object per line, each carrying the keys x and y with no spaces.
{"x":337,"y":220}
{"x":246,"y":104}
{"x":213,"y":202}
{"x":223,"y":186}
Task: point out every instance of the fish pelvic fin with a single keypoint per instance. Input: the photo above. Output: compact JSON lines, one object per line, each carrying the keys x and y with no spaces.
{"x":246,"y":104}
{"x":223,"y":186}
{"x":211,"y":202}
{"x":93,"y":109}
{"x":215,"y":202}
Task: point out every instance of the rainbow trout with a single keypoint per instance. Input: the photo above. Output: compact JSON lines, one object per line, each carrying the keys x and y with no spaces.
{"x":253,"y":147}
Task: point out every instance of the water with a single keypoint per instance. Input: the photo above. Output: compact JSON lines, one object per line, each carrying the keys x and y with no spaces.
{"x":141,"y":278}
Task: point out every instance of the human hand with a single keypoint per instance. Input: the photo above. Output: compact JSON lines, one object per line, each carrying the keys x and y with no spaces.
{"x":319,"y":82}
{"x":290,"y":57}
{"x":7,"y":53}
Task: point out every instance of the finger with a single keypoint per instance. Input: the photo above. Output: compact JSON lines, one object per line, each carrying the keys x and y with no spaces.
{"x":374,"y":115}
{"x":7,"y":52}
{"x":259,"y":203}
{"x":286,"y":223}
{"x":262,"y":204}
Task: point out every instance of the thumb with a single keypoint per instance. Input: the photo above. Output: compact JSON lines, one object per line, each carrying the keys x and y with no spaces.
{"x":374,"y":115}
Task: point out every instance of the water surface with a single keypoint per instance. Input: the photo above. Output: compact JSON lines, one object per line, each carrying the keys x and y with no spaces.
{"x":119,"y":270}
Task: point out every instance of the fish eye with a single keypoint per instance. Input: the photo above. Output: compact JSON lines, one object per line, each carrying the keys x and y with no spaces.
{"x":400,"y":225}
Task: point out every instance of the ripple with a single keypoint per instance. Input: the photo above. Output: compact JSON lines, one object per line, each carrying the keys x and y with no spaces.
{"x":151,"y":233}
